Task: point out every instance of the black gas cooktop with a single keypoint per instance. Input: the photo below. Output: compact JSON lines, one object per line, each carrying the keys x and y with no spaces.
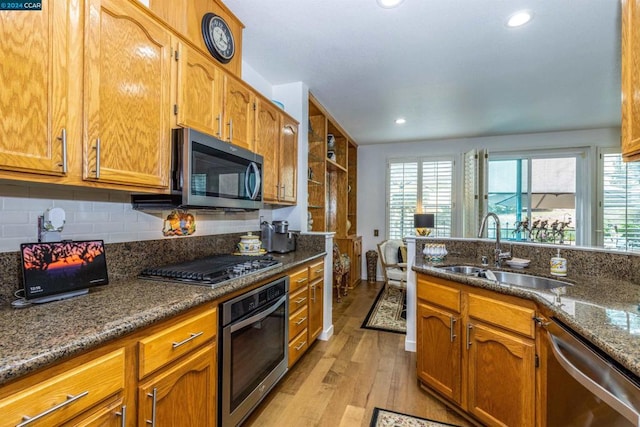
{"x":211,"y":271}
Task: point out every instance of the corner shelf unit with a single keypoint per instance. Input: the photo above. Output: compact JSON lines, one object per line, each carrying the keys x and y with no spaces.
{"x":332,"y":182}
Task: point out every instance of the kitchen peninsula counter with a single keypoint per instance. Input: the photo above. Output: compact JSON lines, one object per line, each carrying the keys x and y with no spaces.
{"x":40,"y":335}
{"x":605,"y":311}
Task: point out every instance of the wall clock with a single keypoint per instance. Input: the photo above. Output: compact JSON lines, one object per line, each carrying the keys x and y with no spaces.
{"x":218,"y":37}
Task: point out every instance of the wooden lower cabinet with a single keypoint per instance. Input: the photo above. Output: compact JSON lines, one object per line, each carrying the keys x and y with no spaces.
{"x":477,"y":352}
{"x":352,"y":246}
{"x":183,"y":394}
{"x":440,"y":329}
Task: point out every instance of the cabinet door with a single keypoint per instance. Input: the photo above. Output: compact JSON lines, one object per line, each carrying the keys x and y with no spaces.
{"x":126,"y":97}
{"x":33,"y":101}
{"x":267,"y":145}
{"x":631,"y":79}
{"x":183,"y":394}
{"x":239,"y":109}
{"x":288,"y":162}
{"x":501,"y":375}
{"x":199,"y":92}
{"x":439,"y":350}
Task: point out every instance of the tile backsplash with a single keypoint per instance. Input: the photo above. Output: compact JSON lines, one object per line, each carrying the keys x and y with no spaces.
{"x":100,"y":214}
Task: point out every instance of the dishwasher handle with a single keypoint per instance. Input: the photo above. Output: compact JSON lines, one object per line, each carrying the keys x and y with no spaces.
{"x":623,"y":408}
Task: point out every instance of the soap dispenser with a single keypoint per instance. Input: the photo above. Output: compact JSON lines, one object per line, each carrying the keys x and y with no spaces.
{"x":558,"y":265}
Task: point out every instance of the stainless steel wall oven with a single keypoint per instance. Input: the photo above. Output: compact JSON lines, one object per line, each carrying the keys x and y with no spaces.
{"x":253,"y":349}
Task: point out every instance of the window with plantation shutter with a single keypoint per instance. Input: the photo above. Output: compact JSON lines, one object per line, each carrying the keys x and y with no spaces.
{"x":403,"y":198}
{"x":419,"y":186}
{"x":620,"y":203}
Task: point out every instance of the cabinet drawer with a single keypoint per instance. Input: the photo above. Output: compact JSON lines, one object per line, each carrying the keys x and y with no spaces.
{"x":297,"y":279}
{"x":316,"y":270}
{"x":298,"y":321}
{"x":71,"y":392}
{"x":298,"y":299}
{"x":171,"y":343}
{"x":442,"y":295}
{"x":297,"y":347}
{"x":503,"y":314}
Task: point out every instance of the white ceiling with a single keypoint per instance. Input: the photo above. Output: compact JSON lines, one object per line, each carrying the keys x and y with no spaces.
{"x":452,"y":68}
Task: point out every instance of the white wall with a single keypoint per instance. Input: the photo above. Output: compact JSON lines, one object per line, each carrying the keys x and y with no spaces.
{"x":372,"y":162}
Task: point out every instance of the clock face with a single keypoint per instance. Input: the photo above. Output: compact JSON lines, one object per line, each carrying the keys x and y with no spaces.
{"x":218,"y":37}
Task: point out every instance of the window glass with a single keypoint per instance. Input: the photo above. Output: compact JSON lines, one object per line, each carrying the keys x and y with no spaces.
{"x":620,"y":203}
{"x":534,"y":197}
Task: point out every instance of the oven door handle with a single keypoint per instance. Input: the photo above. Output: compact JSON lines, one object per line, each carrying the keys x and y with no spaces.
{"x":259,"y":316}
{"x":253,"y":193}
{"x":620,"y":406}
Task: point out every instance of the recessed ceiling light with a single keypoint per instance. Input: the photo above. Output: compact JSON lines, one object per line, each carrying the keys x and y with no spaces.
{"x":400,"y":121}
{"x":519,"y":18}
{"x":388,"y":4}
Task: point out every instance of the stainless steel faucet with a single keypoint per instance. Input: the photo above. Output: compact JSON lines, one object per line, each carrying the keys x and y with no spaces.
{"x":498,"y":254}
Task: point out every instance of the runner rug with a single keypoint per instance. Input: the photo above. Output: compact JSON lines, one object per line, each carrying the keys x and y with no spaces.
{"x":385,"y":418}
{"x":389,"y":312}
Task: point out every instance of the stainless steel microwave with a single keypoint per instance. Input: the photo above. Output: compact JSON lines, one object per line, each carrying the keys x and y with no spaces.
{"x":208,"y":173}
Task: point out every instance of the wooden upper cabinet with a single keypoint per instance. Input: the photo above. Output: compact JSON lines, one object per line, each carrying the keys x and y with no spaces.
{"x":267,"y":145}
{"x":239,"y":106}
{"x":288,"y":164}
{"x":33,"y":101}
{"x":127,"y":99}
{"x":631,"y":79}
{"x":199,"y":92}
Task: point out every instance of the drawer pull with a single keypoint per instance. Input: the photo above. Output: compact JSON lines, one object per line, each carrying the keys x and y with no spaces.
{"x":299,"y":346}
{"x":301,"y":321}
{"x":304,"y":279}
{"x":452,"y":323}
{"x":123,"y":414}
{"x":320,"y":270}
{"x":154,"y":396}
{"x":192,"y":337}
{"x":301,"y":300}
{"x":70,"y":399}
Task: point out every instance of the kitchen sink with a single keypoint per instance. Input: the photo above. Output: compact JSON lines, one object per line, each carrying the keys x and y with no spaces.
{"x":462,"y":269}
{"x":507,"y":277}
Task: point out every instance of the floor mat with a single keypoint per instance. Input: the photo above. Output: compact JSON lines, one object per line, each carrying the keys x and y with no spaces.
{"x":386,"y":418}
{"x":388,"y":312}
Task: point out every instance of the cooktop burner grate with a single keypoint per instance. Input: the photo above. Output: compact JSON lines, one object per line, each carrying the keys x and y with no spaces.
{"x":212,"y":270}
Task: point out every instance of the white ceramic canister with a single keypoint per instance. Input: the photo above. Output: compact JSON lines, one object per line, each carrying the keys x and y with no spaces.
{"x":249,"y":244}
{"x":558,"y":265}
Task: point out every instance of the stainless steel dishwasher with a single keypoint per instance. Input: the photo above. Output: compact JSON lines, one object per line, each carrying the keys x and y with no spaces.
{"x":584,"y":386}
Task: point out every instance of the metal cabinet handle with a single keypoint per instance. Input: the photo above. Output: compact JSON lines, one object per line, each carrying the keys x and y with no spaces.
{"x":299,"y":346}
{"x":97,"y":148}
{"x":63,"y":139}
{"x":304,"y":279}
{"x":541,"y":322}
{"x":230,"y":130}
{"x":320,"y":270}
{"x":123,"y":414}
{"x":301,"y":321}
{"x":154,"y":396}
{"x":219,"y":120}
{"x":301,"y":300}
{"x":313,"y":287}
{"x":186,"y":340}
{"x":452,"y":323}
{"x":469,"y":328}
{"x":26,"y":420}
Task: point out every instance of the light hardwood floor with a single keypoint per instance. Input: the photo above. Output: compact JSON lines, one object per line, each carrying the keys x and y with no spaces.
{"x":339,"y":382}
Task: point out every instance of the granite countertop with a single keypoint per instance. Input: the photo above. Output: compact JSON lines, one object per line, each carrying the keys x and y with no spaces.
{"x":39,"y":335}
{"x":604,"y":311}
